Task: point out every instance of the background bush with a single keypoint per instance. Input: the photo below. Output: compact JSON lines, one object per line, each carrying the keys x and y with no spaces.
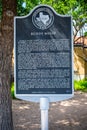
{"x":12,"y":91}
{"x":81,"y":85}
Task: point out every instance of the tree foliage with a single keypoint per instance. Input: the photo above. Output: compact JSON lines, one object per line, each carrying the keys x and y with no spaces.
{"x":30,"y":4}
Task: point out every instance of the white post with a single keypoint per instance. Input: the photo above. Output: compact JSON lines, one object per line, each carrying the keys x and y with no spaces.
{"x":44,"y":106}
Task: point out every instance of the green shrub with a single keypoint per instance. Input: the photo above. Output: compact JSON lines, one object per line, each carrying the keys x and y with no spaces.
{"x":80,"y":85}
{"x":12,"y":91}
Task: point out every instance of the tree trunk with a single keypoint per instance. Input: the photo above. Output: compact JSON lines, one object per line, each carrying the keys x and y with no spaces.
{"x":6,"y":49}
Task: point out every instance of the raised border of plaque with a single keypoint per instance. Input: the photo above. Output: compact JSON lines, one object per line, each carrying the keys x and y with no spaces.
{"x":43,"y":49}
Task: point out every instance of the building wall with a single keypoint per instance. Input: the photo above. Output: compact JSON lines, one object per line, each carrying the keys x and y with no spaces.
{"x":80,"y":63}
{"x":85,"y":53}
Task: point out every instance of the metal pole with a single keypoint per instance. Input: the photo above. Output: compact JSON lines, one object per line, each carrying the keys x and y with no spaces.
{"x":44,"y":106}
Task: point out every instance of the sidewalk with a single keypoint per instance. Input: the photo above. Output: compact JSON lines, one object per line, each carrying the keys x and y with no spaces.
{"x":65,"y":115}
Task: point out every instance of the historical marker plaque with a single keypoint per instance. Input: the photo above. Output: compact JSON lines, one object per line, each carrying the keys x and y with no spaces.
{"x":43,"y":54}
